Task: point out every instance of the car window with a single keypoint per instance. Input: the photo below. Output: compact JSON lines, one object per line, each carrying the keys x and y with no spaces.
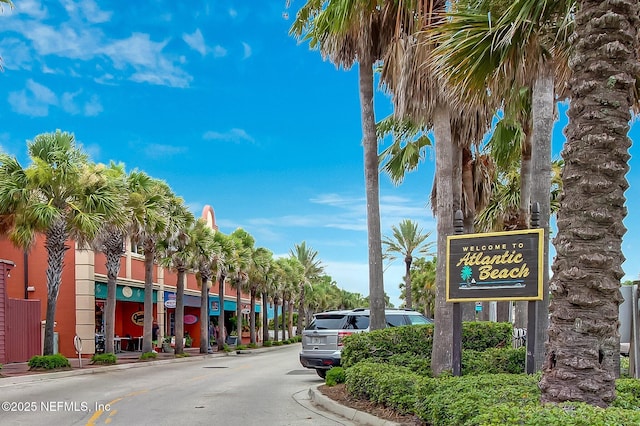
{"x":418,"y":319}
{"x":357,"y":322}
{"x":327,"y":322}
{"x":395,"y":320}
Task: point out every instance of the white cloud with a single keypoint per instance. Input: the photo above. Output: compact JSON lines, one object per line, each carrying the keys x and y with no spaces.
{"x":196,"y":42}
{"x":247,"y":50}
{"x":233,"y":135}
{"x":68,"y":103}
{"x":19,"y":55}
{"x":145,"y":56}
{"x":32,"y":8}
{"x":219,"y":51}
{"x":233,"y":13}
{"x":163,"y":151}
{"x":93,"y":106}
{"x":87,"y":10}
{"x":33,"y":101}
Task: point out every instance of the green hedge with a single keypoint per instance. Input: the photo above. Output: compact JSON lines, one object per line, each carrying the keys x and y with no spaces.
{"x":417,"y":342}
{"x":104,"y":359}
{"x":483,"y":400}
{"x":49,"y":362}
{"x":494,"y":361}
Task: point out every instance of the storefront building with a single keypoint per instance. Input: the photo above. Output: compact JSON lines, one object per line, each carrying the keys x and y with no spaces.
{"x":83,"y":292}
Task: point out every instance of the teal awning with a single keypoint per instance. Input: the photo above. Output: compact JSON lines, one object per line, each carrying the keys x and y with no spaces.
{"x":135,"y":295}
{"x":229,"y":305}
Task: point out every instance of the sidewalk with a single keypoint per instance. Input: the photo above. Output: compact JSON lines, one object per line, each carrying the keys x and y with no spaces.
{"x":19,"y":369}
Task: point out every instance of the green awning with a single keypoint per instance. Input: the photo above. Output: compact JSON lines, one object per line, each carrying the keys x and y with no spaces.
{"x":124,"y":293}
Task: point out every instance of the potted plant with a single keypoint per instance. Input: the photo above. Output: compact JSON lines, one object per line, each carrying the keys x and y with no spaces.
{"x":187,"y":340}
{"x":166,"y":344}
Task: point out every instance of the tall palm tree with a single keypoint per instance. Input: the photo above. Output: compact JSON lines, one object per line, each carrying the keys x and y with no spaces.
{"x":176,"y":251}
{"x":348,"y":31}
{"x":207,"y":255}
{"x":59,"y":195}
{"x":149,"y":226}
{"x":110,"y":240}
{"x":406,"y":239}
{"x":583,"y":329}
{"x":224,"y":263}
{"x":240,"y":271}
{"x":308,"y":258}
{"x":258,"y":278}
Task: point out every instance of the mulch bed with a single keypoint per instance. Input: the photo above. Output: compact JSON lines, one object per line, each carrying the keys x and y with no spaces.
{"x":339,"y":393}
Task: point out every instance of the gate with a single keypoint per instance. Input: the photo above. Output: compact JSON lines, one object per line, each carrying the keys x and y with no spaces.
{"x":23,"y":329}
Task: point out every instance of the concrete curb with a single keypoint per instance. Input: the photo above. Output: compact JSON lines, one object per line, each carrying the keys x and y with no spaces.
{"x":359,"y":417}
{"x":97,"y":370}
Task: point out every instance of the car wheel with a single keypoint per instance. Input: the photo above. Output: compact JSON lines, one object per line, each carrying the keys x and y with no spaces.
{"x":321,"y":372}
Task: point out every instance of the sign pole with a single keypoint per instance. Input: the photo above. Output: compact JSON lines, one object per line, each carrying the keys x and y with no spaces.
{"x":532,"y":306}
{"x":458,"y":229}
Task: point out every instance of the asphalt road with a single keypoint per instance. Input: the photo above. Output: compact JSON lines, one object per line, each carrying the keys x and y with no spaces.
{"x":260,"y":388}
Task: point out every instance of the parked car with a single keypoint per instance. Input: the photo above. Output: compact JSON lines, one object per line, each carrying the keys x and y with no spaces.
{"x":323,"y":338}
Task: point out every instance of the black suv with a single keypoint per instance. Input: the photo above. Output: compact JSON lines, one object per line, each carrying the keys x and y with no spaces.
{"x":322,"y":339}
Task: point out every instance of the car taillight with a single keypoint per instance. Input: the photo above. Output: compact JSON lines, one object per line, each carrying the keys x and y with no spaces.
{"x":341,"y":336}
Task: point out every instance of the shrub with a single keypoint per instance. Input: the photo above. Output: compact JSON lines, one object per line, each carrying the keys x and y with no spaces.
{"x":49,"y":362}
{"x":482,"y":335}
{"x":241,"y":347}
{"x":567,"y":414}
{"x":148,"y":355}
{"x":277,"y":343}
{"x":334,"y":376}
{"x":627,"y":394}
{"x":455,"y":400}
{"x":267,"y":343}
{"x":182,"y":355}
{"x":253,"y":345}
{"x":494,"y":360}
{"x":104,"y":359}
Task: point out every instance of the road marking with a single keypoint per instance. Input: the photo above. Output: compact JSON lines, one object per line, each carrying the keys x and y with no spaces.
{"x":92,"y":421}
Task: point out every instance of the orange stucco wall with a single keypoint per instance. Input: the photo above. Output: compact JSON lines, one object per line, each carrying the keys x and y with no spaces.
{"x":37,"y":263}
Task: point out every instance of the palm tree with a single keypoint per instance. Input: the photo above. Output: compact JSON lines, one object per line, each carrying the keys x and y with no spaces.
{"x":110,"y":240}
{"x":406,"y":239}
{"x":347,"y":31}
{"x":176,"y":251}
{"x":423,"y":280}
{"x":312,"y":269}
{"x":583,"y":329}
{"x":240,"y":272}
{"x":59,"y":195}
{"x":207,"y":256}
{"x":224,"y":263}
{"x":149,"y":225}
{"x":258,"y":278}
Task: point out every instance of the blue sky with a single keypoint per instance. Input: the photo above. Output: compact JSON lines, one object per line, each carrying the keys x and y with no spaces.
{"x":219,"y":101}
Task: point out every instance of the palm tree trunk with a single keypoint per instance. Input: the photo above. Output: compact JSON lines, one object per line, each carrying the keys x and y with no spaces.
{"x":407,"y":282}
{"x":275,"y":319}
{"x":148,"y":299}
{"x":55,"y":241}
{"x":239,"y":311}
{"x":583,"y":330}
{"x":301,"y":310}
{"x":221,"y":329}
{"x":283,"y":317}
{"x":204,"y":314}
{"x":370,"y":144}
{"x":290,"y":320}
{"x":265,"y":320}
{"x":525,"y":178}
{"x":113,"y":254}
{"x":179,"y":313}
{"x":542,"y":110}
{"x":252,"y":316}
{"x":442,"y":339}
{"x":463,"y":189}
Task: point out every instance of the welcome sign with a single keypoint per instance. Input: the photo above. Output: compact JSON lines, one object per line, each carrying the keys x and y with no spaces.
{"x":495,"y":266}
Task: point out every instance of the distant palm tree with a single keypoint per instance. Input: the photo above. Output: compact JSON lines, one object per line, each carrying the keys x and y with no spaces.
{"x":258,"y":278}
{"x":407,"y":238}
{"x":60,"y":195}
{"x":240,"y":272}
{"x":308,"y":258}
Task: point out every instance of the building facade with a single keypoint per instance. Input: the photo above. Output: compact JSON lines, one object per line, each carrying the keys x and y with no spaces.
{"x":83,"y":290}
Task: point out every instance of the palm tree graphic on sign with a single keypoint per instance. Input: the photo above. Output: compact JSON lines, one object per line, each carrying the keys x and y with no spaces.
{"x":466,"y":273}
